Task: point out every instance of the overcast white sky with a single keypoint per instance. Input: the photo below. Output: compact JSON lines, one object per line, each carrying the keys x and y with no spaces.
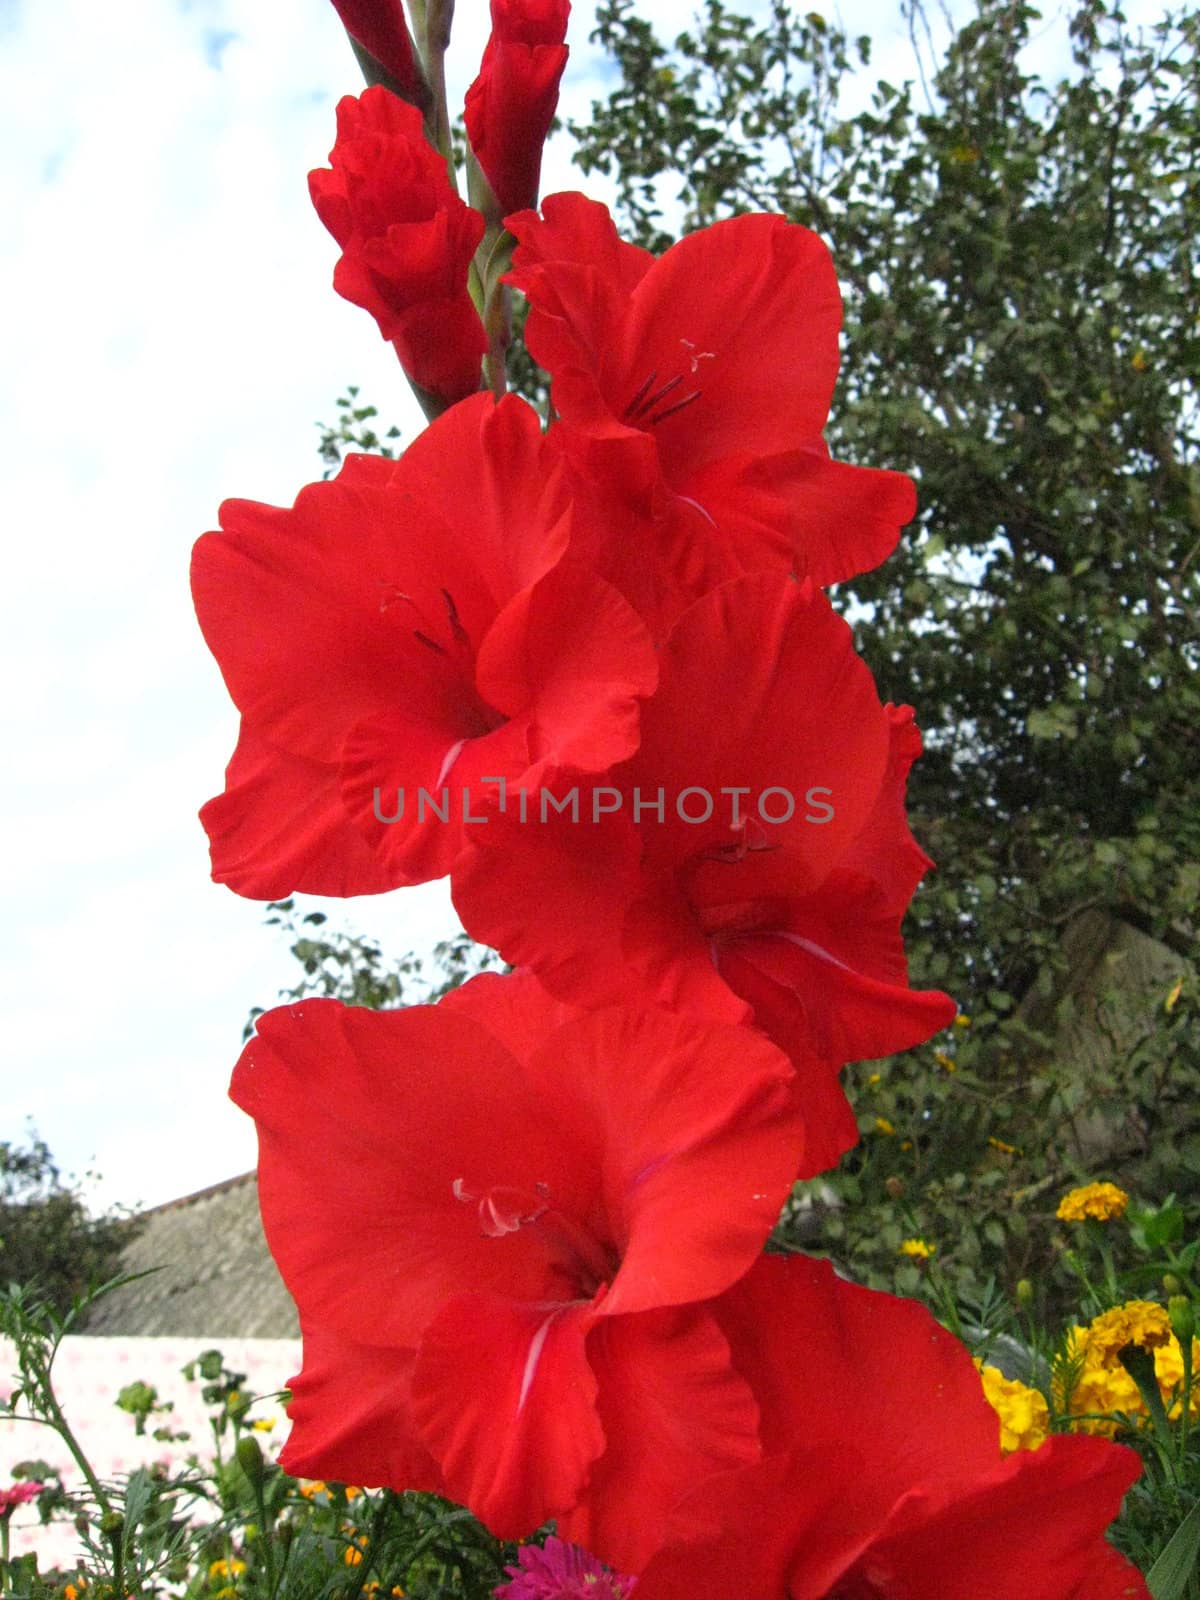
{"x":169,"y":339}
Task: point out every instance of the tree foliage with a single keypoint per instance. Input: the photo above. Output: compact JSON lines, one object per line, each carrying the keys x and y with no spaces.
{"x":47,"y":1235}
{"x":1022,"y":315}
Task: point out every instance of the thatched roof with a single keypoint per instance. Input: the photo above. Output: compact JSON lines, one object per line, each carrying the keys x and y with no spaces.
{"x":217,"y":1279}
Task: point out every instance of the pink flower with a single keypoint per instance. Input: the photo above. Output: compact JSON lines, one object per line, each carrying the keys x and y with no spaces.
{"x":559,"y":1571}
{"x":17,"y":1494}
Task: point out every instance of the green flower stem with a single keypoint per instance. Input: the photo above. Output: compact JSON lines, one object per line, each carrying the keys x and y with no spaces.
{"x":1111,"y":1287}
{"x":438,"y":16}
{"x":55,"y":1419}
{"x":1185,"y":1417}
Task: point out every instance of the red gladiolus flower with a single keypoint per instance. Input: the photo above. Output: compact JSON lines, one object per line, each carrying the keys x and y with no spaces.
{"x":701,"y":382}
{"x":750,"y":861}
{"x":539,"y":1202}
{"x":407,"y":241}
{"x":510,"y":106}
{"x":396,"y":644}
{"x":883,"y":1477}
{"x":379,"y":27}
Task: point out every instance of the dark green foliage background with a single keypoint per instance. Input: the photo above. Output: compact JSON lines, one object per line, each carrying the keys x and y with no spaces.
{"x":47,"y":1235}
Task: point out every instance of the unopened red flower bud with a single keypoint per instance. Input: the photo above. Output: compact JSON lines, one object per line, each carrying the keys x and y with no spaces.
{"x":510,"y":106}
{"x":378,"y":26}
{"x":407,"y":241}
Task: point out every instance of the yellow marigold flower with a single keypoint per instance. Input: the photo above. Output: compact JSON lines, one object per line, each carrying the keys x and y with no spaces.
{"x":1023,"y":1412}
{"x":231,"y":1568}
{"x":882,"y":1125}
{"x":398,"y":1592}
{"x":1172,"y":999}
{"x":1138,"y":361}
{"x":1101,"y":1201}
{"x":876,"y":1077}
{"x":358,"y":1543}
{"x":962,"y":1020}
{"x":351,"y":1492}
{"x":1103,"y":1385}
{"x":906,"y":1144}
{"x":310,"y":1490}
{"x":373,"y":1586}
{"x":221,"y":1594}
{"x":1005,"y":1149}
{"x":265,"y":1424}
{"x":919,"y":1249}
{"x":947,"y":1063}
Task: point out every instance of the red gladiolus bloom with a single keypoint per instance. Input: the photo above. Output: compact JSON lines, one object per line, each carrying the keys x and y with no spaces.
{"x":510,"y":106}
{"x":750,"y":861}
{"x":701,"y":382}
{"x":883,"y":1477}
{"x":396,"y":644}
{"x":407,"y":241}
{"x":379,"y":27}
{"x":538,"y":1205}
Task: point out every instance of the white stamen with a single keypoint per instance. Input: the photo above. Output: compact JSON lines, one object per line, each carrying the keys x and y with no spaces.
{"x":451,"y":757}
{"x":687,"y":499}
{"x":813,"y":949}
{"x":531,"y":1360}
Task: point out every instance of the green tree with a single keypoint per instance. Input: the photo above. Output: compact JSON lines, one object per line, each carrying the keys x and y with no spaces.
{"x":47,"y":1235}
{"x":1022,"y":290}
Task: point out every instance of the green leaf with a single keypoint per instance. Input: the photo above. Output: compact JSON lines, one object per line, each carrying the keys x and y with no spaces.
{"x":1168,"y":1577}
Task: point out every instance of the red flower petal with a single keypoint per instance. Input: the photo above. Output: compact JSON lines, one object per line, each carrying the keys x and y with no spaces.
{"x":580,"y":685}
{"x":674,"y":1412}
{"x":580,"y":875}
{"x":351,"y":1415}
{"x":575,"y":230}
{"x":366,"y":1120}
{"x":773,"y":655}
{"x":915,"y":1504}
{"x":513,"y":1007}
{"x":958,"y":1539}
{"x":702,"y":1139}
{"x":280,"y":821}
{"x":506,"y":1399}
{"x":857,"y":1344}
